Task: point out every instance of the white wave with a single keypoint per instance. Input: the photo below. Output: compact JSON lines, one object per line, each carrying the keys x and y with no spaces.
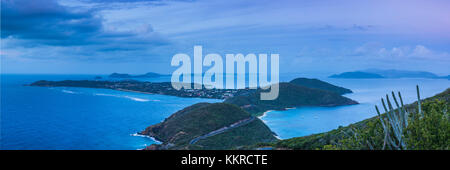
{"x":137,"y":99}
{"x":102,"y":94}
{"x":264,"y":114}
{"x":145,"y":136}
{"x":127,"y":97}
{"x":68,"y":91}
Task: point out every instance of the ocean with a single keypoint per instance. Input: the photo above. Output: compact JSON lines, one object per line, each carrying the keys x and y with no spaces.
{"x":101,"y":119}
{"x":79,"y":118}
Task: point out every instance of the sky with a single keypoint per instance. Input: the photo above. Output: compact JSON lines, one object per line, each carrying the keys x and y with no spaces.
{"x":316,"y":37}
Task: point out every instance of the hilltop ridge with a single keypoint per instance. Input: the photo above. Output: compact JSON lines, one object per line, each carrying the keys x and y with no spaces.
{"x":318,"y":84}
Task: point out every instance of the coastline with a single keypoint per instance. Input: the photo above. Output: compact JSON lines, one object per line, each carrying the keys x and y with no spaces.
{"x":147,"y":136}
{"x":264,"y":114}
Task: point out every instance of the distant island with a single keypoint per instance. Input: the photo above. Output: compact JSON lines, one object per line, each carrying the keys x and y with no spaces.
{"x":357,"y":75}
{"x":146,"y":75}
{"x":391,"y":73}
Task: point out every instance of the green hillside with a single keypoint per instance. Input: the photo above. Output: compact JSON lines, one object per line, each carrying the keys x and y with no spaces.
{"x":430,"y":132}
{"x":318,"y":84}
{"x":238,"y":137}
{"x":182,"y":129}
{"x":290,"y":95}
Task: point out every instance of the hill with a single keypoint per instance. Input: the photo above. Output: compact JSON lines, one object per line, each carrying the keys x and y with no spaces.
{"x":146,"y":75}
{"x":390,"y":73}
{"x":209,"y":126}
{"x":290,"y":95}
{"x":369,"y":127}
{"x":356,"y":75}
{"x":393,"y":73}
{"x":318,"y":84}
{"x":446,"y":77}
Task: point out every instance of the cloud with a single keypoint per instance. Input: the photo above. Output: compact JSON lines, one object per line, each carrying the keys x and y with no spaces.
{"x":45,"y":23}
{"x":376,"y":51}
{"x":152,"y":31}
{"x":421,"y":51}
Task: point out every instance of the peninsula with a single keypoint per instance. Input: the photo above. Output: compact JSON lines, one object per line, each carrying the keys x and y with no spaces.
{"x":290,"y":95}
{"x":163,"y":88}
{"x":209,"y":126}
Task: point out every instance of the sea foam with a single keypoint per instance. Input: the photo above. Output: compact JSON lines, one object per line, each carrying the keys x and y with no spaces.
{"x":68,"y":91}
{"x":127,"y":97}
{"x":146,"y":136}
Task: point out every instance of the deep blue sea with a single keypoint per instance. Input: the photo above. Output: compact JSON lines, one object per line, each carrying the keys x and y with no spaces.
{"x":79,"y":118}
{"x":83,"y":118}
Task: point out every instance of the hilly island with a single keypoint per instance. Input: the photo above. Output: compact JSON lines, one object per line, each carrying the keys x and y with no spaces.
{"x":229,"y":125}
{"x":390,"y":74}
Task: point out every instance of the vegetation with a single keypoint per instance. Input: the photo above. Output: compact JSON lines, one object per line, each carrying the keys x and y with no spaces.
{"x":432,"y":130}
{"x":302,"y":92}
{"x":200,"y":126}
{"x":290,"y":95}
{"x":164,"y":88}
{"x":250,"y":134}
{"x":180,"y":129}
{"x":421,"y":125}
{"x":318,"y":84}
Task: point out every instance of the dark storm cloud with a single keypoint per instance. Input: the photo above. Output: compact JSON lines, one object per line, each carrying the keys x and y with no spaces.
{"x":49,"y":23}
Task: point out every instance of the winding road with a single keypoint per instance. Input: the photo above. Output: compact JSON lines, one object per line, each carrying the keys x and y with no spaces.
{"x":224,"y":129}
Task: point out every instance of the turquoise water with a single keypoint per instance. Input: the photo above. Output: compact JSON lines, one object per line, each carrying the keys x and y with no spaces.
{"x":368,"y":92}
{"x":83,"y":118}
{"x":79,"y":118}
